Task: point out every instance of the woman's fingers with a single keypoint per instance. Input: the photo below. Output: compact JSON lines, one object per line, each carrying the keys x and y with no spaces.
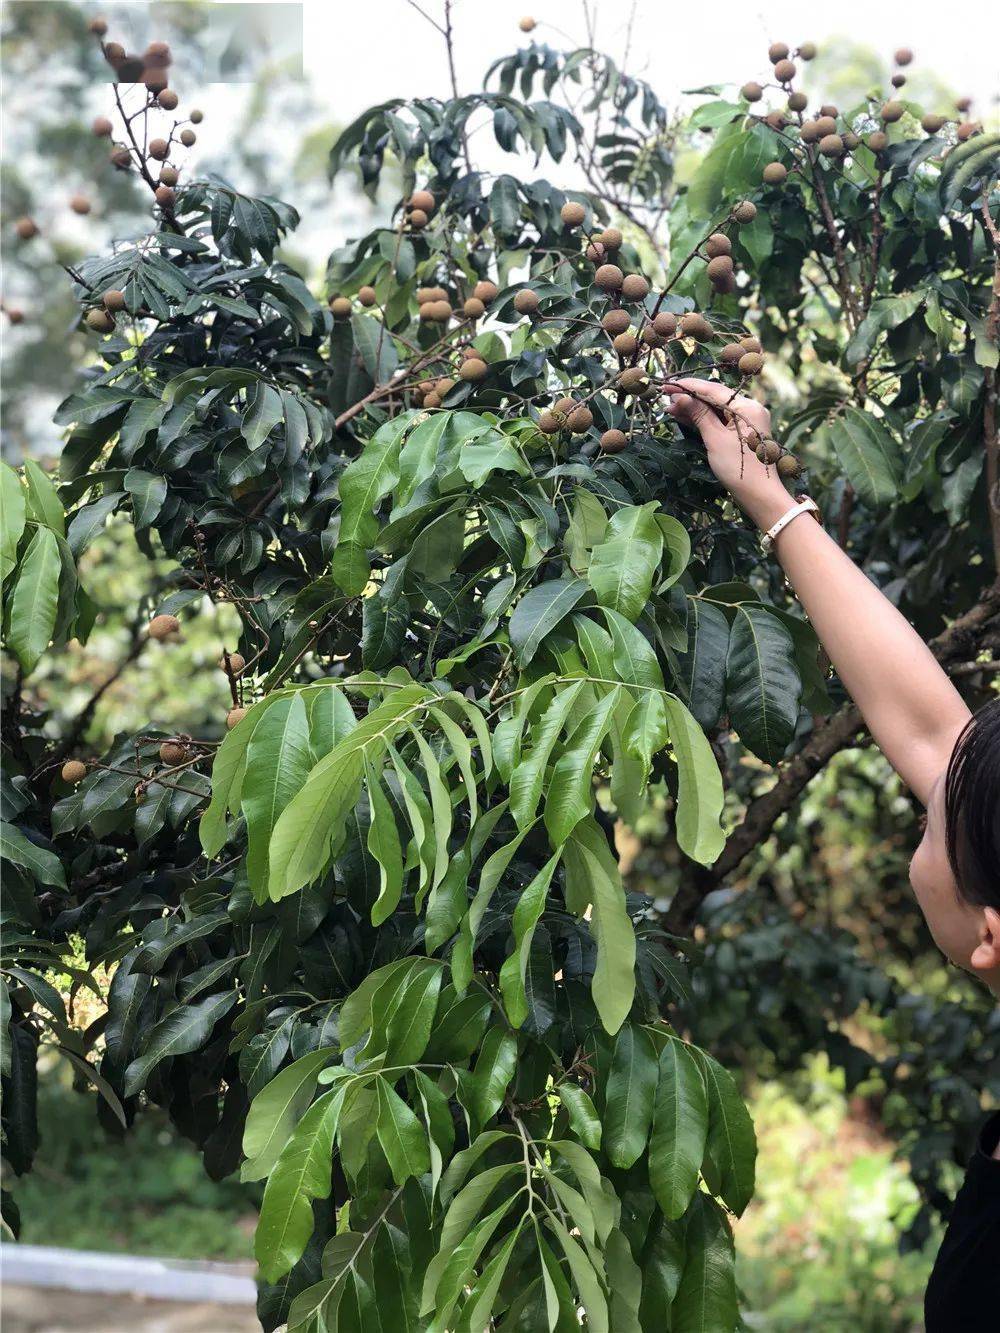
{"x":719,"y":395}
{"x":711,"y":397}
{"x":698,"y":414}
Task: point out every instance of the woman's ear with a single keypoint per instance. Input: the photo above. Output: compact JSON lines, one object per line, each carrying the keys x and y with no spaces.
{"x":986,"y":954}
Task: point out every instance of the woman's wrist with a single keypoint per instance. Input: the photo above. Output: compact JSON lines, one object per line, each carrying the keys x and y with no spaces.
{"x":765,"y":506}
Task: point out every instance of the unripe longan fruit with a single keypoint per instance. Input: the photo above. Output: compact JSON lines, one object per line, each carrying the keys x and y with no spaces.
{"x":236,"y":663}
{"x":79,"y":203}
{"x":527,"y":24}
{"x":797,"y":101}
{"x":161,"y":627}
{"x":616,"y":321}
{"x":526,"y":302}
{"x":473,"y":308}
{"x":665,"y":324}
{"x":169,"y":176}
{"x":113,"y":299}
{"x":366,"y":295}
{"x":234,"y":717}
{"x":168,"y":100}
{"x":831,"y":145}
{"x":789,"y":466}
{"x":632,"y":379}
{"x":609,"y":278}
{"x":634,"y":287}
{"x":877,"y":140}
{"x":73,"y":771}
{"x":807,"y":51}
{"x":171,"y":752}
{"x":100,"y":321}
{"x":26,"y":228}
{"x":777,"y":51}
{"x":785,"y":71}
{"x":340,"y":307}
{"x":825,"y":125}
{"x":613,"y":441}
{"x":750,"y":344}
{"x":752,"y":91}
{"x":768,"y":452}
{"x":745,"y":211}
{"x":188,"y":137}
{"x":485,"y":291}
{"x":695,"y":325}
{"x":904,"y":56}
{"x":196,"y":117}
{"x":718,"y":244}
{"x":121,"y":157}
{"x":751,"y":363}
{"x":722,"y":265}
{"x":808,"y":132}
{"x":731,"y":353}
{"x":611,"y":238}
{"x":165,"y":196}
{"x":931,"y":123}
{"x":625,"y":344}
{"x":892,"y":111}
{"x":549,"y":423}
{"x":580,"y":420}
{"x":102,"y":127}
{"x":473,"y":369}
{"x":572,"y":213}
{"x":422,"y":199}
{"x":774,"y":174}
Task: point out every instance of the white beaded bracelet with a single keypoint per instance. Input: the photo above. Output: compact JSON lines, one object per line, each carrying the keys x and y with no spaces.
{"x":803,"y":506}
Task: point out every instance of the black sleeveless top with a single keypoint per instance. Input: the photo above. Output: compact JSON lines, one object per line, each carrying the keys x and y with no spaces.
{"x":962,"y":1294}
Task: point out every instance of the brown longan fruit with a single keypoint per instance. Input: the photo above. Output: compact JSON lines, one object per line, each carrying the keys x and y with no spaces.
{"x":340,"y":307}
{"x":891,"y":112}
{"x":745,"y":211}
{"x":777,"y":51}
{"x":26,"y":228}
{"x":720,"y":267}
{"x":752,"y":91}
{"x":159,"y":148}
{"x":424,"y":295}
{"x":580,"y":420}
{"x":808,"y":132}
{"x":967,"y":129}
{"x":549,"y":423}
{"x":750,"y":344}
{"x":785,"y":71}
{"x":121,"y":157}
{"x":776,"y":120}
{"x":196,"y":116}
{"x":609,"y":278}
{"x":932,"y":123}
{"x":526,"y":302}
{"x":665,"y":324}
{"x":877,"y":140}
{"x":441,"y":311}
{"x":418,"y":219}
{"x":527,"y":24}
{"x":828,"y":109}
{"x":100,"y":321}
{"x":797,"y":101}
{"x":695,"y":325}
{"x":625,"y":344}
{"x":851,"y":140}
{"x":101,"y":127}
{"x":651,"y":338}
{"x":14,"y":314}
{"x":172,"y":752}
{"x":432,"y":400}
{"x":595,"y":252}
{"x":113,"y":299}
{"x":789,"y":466}
{"x":366,"y":296}
{"x":165,"y":196}
{"x":162,"y":627}
{"x":485,"y":291}
{"x":168,"y":100}
{"x":775,"y":173}
{"x":236,"y":664}
{"x":169,"y":176}
{"x":234,"y":717}
{"x":73,"y":771}
{"x":611,"y":238}
{"x":114,"y":52}
{"x":634,"y":287}
{"x":616,"y":321}
{"x":158,"y":51}
{"x":632,"y":379}
{"x":831,"y":145}
{"x":904,"y":56}
{"x":572,"y":213}
{"x":613,"y":441}
{"x":79,"y":203}
{"x":98,"y":27}
{"x":473,"y":369}
{"x":473,"y":308}
{"x":825,"y":125}
{"x":444,"y":386}
{"x":963,"y":104}
{"x":768,"y":452}
{"x":422,"y":199}
{"x":188,"y":138}
{"x":718,"y":244}
{"x":751,"y":363}
{"x":565,"y":406}
{"x":807,"y":51}
{"x":898,"y":80}
{"x":731,"y":353}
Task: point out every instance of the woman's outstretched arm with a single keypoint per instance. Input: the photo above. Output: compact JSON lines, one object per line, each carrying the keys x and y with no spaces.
{"x":910,"y":706}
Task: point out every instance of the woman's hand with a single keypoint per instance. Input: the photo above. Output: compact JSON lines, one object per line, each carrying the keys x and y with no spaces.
{"x":713,"y":411}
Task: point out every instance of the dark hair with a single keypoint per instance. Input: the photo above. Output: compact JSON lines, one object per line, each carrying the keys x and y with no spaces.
{"x":972,"y":808}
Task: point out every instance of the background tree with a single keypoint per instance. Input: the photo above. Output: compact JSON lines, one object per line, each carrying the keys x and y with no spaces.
{"x":477,"y":570}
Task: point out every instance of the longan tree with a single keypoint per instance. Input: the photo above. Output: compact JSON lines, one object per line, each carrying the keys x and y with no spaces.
{"x":374,"y":946}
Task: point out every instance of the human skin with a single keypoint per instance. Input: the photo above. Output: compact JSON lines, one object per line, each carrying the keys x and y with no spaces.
{"x":909,"y":705}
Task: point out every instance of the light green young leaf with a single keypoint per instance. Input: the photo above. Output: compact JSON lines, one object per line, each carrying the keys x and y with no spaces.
{"x":228,"y":769}
{"x":528,"y":778}
{"x":35,"y":601}
{"x":401,"y":1135}
{"x":13,"y":512}
{"x":592,"y":875}
{"x":622,"y":567}
{"x":275,"y":1112}
{"x":700,"y":794}
{"x":384,"y":845}
{"x":279,"y":759}
{"x":570,"y":794}
{"x":583,"y":1117}
{"x":43,"y":503}
{"x":363,"y":484}
{"x":538,"y":613}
